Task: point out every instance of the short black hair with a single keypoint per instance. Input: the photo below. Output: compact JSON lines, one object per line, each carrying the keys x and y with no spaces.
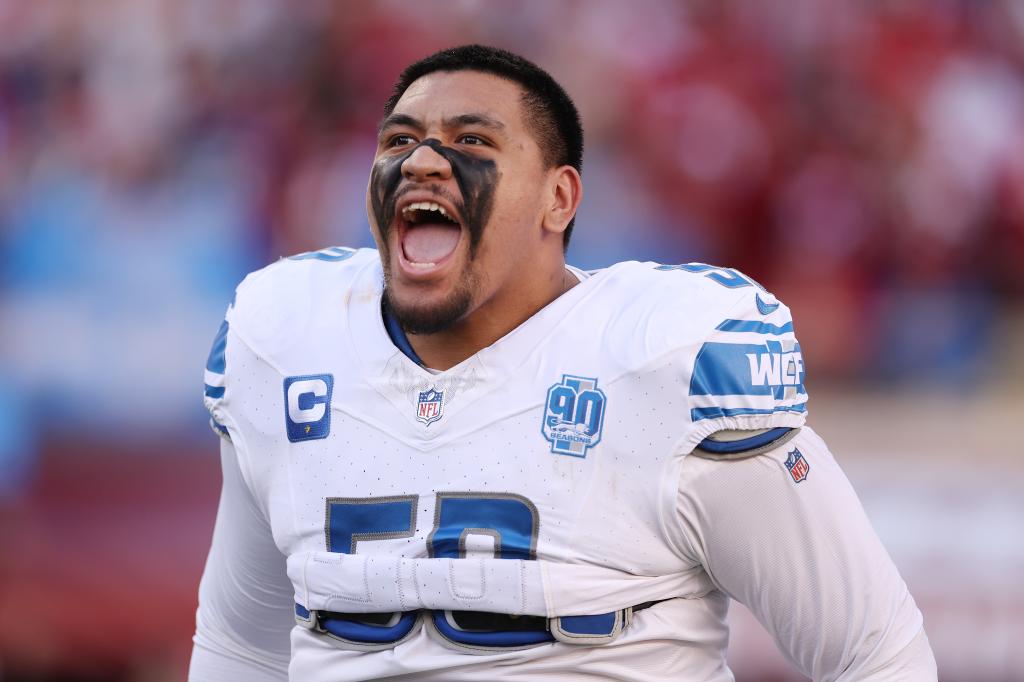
{"x":551,"y":113}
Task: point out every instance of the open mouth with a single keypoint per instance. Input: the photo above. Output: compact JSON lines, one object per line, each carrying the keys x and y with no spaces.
{"x":429,"y":234}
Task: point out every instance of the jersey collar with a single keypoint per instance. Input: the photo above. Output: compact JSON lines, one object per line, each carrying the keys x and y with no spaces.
{"x":377,"y":338}
{"x":396,"y":333}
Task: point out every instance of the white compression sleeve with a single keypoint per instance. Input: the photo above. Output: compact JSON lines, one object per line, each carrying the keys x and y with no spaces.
{"x":245,"y":598}
{"x":804,"y":559}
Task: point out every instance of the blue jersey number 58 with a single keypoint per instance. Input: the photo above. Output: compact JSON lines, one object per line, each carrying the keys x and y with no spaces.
{"x":510,"y":521}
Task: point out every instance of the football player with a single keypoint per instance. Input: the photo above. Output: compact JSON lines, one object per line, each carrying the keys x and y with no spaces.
{"x":457,"y":458}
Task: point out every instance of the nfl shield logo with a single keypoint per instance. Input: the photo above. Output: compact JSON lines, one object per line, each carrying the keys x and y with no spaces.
{"x":430,"y":406}
{"x":797,"y":465}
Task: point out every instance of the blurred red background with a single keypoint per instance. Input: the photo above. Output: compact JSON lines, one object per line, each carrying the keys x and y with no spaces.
{"x":864,"y":161}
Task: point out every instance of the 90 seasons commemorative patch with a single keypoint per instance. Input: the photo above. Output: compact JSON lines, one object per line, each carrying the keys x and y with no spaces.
{"x":573,"y":415}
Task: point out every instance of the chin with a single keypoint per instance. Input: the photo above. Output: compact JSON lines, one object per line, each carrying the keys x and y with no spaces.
{"x":420,"y":313}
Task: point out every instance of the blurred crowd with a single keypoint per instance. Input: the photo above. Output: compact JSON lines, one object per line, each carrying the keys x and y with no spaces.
{"x":864,"y":161}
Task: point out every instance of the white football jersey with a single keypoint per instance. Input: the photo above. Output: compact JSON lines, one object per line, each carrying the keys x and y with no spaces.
{"x":551,"y":478}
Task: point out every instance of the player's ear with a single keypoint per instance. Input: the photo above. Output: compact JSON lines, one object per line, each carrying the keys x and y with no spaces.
{"x":565,"y":191}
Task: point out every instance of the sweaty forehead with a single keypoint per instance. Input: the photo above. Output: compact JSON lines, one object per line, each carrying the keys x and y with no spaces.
{"x":446,"y":95}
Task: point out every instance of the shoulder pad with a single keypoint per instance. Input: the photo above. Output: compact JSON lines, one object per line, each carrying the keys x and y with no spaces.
{"x":748,"y":370}
{"x":652,"y":311}
{"x":270,"y":304}
{"x":277,"y":302}
{"x":721,"y":338}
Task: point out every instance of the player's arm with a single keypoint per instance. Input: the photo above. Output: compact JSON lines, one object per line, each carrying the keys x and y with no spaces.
{"x":245,"y":597}
{"x":802,"y":556}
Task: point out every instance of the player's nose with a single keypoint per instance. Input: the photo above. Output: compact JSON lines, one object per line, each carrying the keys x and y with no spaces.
{"x":426,"y":164}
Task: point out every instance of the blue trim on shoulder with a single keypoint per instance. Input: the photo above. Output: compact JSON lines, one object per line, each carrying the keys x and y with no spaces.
{"x":754,"y":326}
{"x":214,"y":391}
{"x":765,"y":308}
{"x":220,"y":428}
{"x":698,"y":413}
{"x":216,"y":362}
{"x":332,"y":254}
{"x":732,"y":447}
{"x":398,"y":336}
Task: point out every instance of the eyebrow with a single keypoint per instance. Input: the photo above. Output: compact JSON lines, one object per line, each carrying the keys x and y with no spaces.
{"x":482,"y":120}
{"x":393,"y":120}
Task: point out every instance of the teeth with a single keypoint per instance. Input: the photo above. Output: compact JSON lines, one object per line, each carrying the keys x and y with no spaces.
{"x":424,"y":206}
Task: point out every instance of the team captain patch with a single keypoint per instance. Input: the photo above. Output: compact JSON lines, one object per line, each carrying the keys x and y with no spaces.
{"x":307,"y":409}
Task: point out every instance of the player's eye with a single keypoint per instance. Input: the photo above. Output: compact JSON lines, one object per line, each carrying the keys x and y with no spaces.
{"x":400,"y":140}
{"x":472,"y":140}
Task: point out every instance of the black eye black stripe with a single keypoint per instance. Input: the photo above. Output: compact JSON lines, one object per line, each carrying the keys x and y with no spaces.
{"x":477,"y":179}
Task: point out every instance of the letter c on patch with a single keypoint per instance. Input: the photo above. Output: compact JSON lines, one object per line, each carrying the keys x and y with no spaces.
{"x":308,"y":406}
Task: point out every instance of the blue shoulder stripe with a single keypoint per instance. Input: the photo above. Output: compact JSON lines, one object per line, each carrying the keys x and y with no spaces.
{"x":216,"y":362}
{"x":733,"y":447}
{"x":748,"y":369}
{"x":754,"y":326}
{"x":220,"y":428}
{"x":213,"y":391}
{"x":698,"y":413}
{"x":763,"y":307}
{"x":331,"y":254}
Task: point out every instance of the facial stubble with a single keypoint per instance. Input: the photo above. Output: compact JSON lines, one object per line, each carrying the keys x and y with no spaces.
{"x":477,"y":180}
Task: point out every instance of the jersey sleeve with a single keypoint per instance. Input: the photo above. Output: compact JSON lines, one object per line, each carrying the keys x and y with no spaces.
{"x":245,"y":598}
{"x":748,"y":371}
{"x":214,"y":380}
{"x":260,"y":322}
{"x":784,"y":534}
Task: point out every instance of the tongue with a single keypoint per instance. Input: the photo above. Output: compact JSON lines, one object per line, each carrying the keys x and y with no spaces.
{"x":430,"y":243}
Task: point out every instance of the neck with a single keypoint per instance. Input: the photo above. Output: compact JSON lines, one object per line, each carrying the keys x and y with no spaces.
{"x":491,"y":320}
